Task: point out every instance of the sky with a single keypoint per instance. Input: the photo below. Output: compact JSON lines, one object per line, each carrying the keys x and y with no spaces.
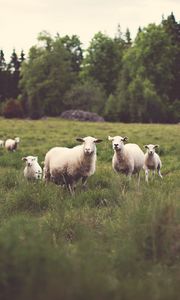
{"x":22,"y":20}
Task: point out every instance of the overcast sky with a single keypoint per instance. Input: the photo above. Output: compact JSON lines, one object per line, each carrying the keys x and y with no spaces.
{"x":22,"y":20}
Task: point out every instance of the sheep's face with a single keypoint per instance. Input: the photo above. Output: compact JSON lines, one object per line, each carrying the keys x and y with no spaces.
{"x":17,"y":140}
{"x":151,"y":148}
{"x":89,"y":144}
{"x":30,"y":160}
{"x":118,"y":142}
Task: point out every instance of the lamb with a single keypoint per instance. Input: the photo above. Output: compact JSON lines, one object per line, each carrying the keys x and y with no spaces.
{"x":152,"y":161}
{"x":68,"y":165}
{"x":1,"y":143}
{"x":128,"y":158}
{"x":32,"y":169}
{"x":11,"y":145}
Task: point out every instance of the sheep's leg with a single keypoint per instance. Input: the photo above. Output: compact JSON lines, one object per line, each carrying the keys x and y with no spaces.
{"x":153,"y":174}
{"x":46,"y":174}
{"x":71,"y":189}
{"x":146,"y":175}
{"x":139,"y":178}
{"x":68,"y":185}
{"x":159,"y":172}
{"x":129,"y":174}
{"x":84,"y":182}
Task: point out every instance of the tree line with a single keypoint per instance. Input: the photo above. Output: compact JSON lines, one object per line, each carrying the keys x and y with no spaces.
{"x":120,"y":79}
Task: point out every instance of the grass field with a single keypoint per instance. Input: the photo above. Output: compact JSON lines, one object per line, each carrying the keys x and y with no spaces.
{"x":113,"y":241}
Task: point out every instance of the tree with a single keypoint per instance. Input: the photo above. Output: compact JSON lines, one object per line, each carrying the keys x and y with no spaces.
{"x":145,"y":104}
{"x":111,"y":111}
{"x":87,"y":96}
{"x":73,"y":46}
{"x":46,"y":77}
{"x":2,"y":61}
{"x":22,"y":57}
{"x":146,"y":77}
{"x":3,"y":77}
{"x":14,"y":69}
{"x":128,"y":40}
{"x":103,"y":61}
{"x":172,"y":28}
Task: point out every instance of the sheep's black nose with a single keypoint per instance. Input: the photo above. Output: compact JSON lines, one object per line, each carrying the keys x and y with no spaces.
{"x":115,"y":145}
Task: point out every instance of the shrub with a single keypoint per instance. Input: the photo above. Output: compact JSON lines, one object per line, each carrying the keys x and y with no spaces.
{"x":12,"y":109}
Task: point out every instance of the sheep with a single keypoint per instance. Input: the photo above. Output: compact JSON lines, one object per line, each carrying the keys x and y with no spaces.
{"x":32,"y":169}
{"x":127,"y":158}
{"x":152,"y":161}
{"x":11,"y":145}
{"x":1,"y":143}
{"x":68,"y":165}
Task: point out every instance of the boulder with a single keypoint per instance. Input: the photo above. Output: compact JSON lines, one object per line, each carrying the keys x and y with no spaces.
{"x":81,"y":115}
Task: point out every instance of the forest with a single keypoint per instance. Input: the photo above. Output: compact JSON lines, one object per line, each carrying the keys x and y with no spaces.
{"x":121,"y":79}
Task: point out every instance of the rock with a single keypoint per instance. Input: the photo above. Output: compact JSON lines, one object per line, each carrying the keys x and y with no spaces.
{"x":81,"y":115}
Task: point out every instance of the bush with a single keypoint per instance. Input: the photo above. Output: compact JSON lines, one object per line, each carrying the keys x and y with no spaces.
{"x":12,"y":109}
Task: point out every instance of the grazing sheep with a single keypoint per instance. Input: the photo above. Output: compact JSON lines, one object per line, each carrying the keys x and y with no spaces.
{"x":152,"y":161}
{"x":11,"y":145}
{"x":32,"y":169}
{"x":68,"y":165}
{"x":1,"y":143}
{"x":127,"y":159}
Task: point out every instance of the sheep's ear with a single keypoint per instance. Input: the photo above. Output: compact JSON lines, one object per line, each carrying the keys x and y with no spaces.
{"x":146,"y":146}
{"x":98,"y":140}
{"x":35,"y":158}
{"x":125,"y":139}
{"x":80,"y":140}
{"x":110,"y":138}
{"x":24,"y":158}
{"x":156,"y":146}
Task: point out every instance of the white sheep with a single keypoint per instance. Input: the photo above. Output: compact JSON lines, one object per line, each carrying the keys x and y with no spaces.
{"x":32,"y":169}
{"x":69,"y":165}
{"x":152,"y":161}
{"x":1,"y":143}
{"x":11,"y":145}
{"x":127,"y":158}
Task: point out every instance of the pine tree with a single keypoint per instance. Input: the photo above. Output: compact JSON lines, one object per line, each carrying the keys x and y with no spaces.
{"x":14,"y":68}
{"x":22,"y":57}
{"x":128,"y":39}
{"x":172,"y":28}
{"x":2,"y":61}
{"x":3,"y":77}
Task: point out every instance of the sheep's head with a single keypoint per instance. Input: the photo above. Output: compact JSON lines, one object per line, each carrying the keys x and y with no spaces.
{"x":118,"y":142}
{"x":17,"y":140}
{"x":151,"y":148}
{"x":89,"y":144}
{"x":30,"y":160}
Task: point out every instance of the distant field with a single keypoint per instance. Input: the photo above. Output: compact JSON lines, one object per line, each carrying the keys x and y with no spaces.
{"x":112,"y":241}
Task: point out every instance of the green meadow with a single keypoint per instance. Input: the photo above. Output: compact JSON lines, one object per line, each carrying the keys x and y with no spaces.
{"x":112,"y":241}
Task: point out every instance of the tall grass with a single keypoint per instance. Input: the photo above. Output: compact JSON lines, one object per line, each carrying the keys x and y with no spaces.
{"x":112,"y":241}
